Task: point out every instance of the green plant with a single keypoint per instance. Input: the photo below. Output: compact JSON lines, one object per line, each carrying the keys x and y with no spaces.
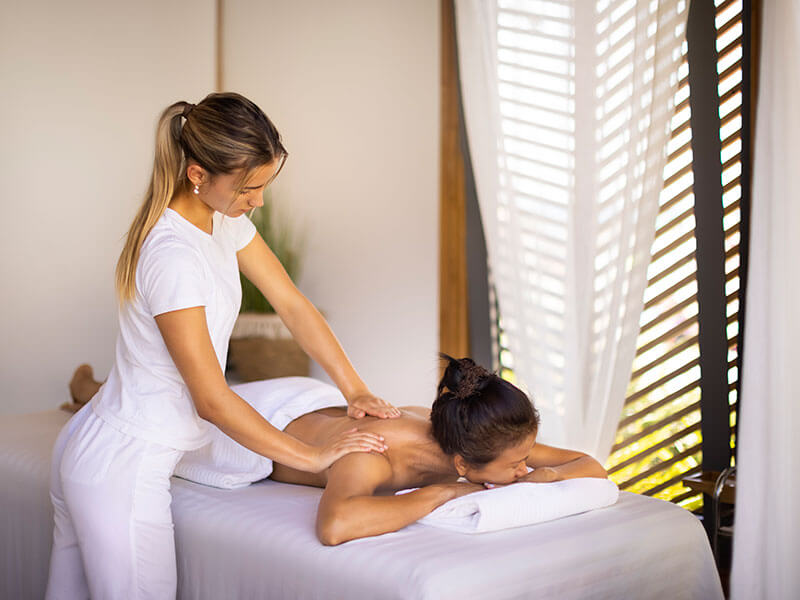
{"x":284,"y":243}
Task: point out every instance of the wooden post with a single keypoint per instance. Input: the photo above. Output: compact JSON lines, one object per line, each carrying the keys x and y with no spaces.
{"x":453,"y":294}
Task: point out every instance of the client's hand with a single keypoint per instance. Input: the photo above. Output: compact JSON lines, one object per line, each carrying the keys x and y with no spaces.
{"x":351,"y":440}
{"x":366,"y":403}
{"x":538,"y":475}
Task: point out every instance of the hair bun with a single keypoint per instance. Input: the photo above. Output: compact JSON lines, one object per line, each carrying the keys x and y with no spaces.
{"x":471,"y":379}
{"x":463,"y":377}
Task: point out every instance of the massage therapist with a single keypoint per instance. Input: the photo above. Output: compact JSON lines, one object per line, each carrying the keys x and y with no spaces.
{"x":178,"y":285}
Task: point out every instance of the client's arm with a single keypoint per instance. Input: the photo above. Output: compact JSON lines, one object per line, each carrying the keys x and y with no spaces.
{"x":554,"y":464}
{"x":348,"y":509}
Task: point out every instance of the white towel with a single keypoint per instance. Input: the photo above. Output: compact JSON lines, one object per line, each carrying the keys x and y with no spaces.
{"x":224,"y":463}
{"x":521,"y":504}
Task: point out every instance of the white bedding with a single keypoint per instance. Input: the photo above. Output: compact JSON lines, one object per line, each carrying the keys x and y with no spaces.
{"x":522,"y":504}
{"x":259,"y":542}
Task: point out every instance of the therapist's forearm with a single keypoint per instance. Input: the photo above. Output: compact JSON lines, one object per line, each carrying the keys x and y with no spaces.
{"x":315,"y":336}
{"x":240,"y":421}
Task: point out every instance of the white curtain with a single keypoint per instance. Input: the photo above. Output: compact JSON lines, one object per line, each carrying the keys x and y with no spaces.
{"x":567,"y":107}
{"x":766,"y":543}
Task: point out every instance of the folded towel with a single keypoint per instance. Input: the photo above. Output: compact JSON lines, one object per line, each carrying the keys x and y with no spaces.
{"x":521,"y":504}
{"x":224,"y":463}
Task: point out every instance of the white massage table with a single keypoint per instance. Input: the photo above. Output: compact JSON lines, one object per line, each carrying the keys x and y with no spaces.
{"x":258,"y":542}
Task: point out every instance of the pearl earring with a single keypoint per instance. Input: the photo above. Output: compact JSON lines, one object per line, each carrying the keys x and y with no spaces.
{"x":196,"y":190}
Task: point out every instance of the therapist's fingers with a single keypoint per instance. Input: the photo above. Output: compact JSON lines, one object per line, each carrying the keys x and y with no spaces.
{"x":372,"y":405}
{"x":350,"y":441}
{"x":355,"y":412}
{"x":354,"y":440}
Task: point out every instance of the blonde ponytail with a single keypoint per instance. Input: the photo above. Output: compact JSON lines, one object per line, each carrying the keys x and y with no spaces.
{"x":167,"y":167}
{"x":222,"y":133}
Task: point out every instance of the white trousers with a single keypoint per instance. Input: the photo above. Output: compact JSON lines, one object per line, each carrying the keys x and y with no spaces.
{"x":113,"y":535}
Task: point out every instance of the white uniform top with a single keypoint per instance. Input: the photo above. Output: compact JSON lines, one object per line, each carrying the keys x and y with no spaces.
{"x":180,"y":266}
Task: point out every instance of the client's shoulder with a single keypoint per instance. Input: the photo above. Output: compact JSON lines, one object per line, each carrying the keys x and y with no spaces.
{"x":359,"y":473}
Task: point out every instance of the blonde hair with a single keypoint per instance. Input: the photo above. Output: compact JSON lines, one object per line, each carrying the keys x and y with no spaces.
{"x":223,"y":133}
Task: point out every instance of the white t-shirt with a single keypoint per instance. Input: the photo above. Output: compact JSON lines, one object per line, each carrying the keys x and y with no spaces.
{"x":180,"y":266}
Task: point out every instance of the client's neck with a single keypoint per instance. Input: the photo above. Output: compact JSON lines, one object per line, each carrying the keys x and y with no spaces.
{"x":430,"y":458}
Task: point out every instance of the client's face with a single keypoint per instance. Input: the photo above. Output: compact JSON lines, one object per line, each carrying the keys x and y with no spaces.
{"x":506,"y":468}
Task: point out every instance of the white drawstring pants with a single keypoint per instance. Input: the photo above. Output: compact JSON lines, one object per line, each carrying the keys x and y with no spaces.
{"x":113,"y":536}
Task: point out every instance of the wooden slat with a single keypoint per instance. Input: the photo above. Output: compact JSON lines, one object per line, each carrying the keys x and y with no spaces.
{"x":681,"y":128}
{"x":670,"y":482}
{"x":661,"y":381}
{"x":722,"y":53}
{"x":732,"y":206}
{"x":659,"y":403}
{"x":677,"y":152}
{"x":731,"y":184}
{"x":672,"y":268}
{"x":662,"y":316}
{"x":723,"y":5}
{"x":728,"y":25}
{"x":681,"y":239}
{"x":674,"y":351}
{"x":731,"y":70}
{"x":684,"y":496}
{"x":666,"y":335}
{"x":729,"y":94}
{"x":670,"y":290}
{"x":730,"y":162}
{"x":678,"y":197}
{"x":674,"y":221}
{"x":656,"y":426}
{"x":678,"y":174}
{"x":660,"y":466}
{"x":662,"y":444}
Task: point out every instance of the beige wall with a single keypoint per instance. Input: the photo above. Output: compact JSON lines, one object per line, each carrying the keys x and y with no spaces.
{"x":82,"y":84}
{"x":352,"y":86}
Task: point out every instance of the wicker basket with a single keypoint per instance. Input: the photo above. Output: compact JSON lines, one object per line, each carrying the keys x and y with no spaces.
{"x":261,"y":347}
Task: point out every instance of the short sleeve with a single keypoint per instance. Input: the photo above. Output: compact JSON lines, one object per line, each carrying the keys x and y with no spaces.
{"x":243,"y":231}
{"x":171,"y":277}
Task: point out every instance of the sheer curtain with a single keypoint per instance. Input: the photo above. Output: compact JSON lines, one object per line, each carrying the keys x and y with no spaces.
{"x":766,"y":543}
{"x":567,"y":107}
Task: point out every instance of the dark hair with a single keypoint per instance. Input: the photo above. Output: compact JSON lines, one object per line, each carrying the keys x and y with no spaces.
{"x":478,"y":414}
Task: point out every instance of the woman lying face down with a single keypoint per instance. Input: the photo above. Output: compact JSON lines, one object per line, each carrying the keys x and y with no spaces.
{"x":485,"y":423}
{"x":480,"y":427}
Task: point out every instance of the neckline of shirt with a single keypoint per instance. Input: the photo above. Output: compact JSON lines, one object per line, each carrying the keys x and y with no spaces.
{"x":188,"y":225}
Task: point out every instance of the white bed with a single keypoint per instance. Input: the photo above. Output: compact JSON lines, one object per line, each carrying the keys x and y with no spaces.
{"x":259,"y":542}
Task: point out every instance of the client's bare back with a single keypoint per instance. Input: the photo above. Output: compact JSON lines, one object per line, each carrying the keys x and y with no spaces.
{"x":412,"y":454}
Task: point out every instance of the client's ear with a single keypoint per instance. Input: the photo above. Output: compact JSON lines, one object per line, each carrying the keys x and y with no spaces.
{"x":461,"y":465}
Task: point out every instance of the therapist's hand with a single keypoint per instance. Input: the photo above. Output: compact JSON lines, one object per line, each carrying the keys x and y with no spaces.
{"x":351,"y":440}
{"x":365,"y":403}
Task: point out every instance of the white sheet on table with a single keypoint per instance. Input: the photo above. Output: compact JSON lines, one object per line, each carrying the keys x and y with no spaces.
{"x":522,"y":504}
{"x":259,"y":542}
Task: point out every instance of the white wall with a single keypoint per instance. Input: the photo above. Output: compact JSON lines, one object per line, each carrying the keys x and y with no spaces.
{"x":82,"y":85}
{"x":353,"y":87}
